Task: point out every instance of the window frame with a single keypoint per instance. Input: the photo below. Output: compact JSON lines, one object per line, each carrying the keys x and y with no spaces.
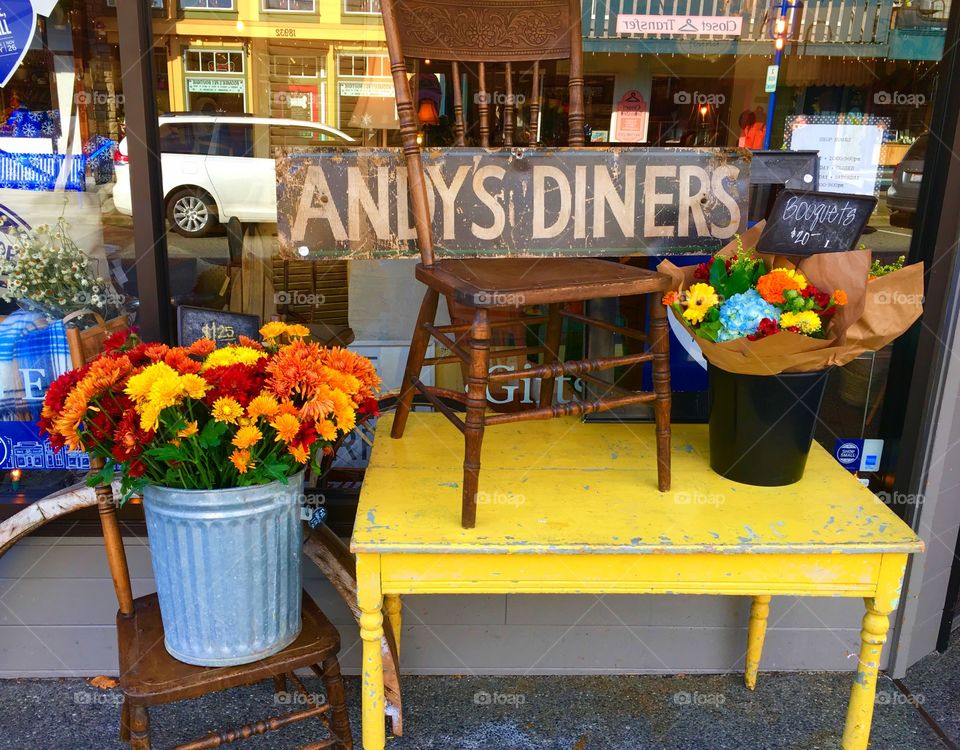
{"x":348,"y":12}
{"x":313,"y":9}
{"x":197,"y":9}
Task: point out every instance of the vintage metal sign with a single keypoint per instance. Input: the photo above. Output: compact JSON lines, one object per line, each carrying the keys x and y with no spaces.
{"x":513,"y":202}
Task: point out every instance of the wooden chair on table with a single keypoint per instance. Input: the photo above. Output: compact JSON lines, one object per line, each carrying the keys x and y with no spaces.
{"x":525,"y":33}
{"x":150,"y":676}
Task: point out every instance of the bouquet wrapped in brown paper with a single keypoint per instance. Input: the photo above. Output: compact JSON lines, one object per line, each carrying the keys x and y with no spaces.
{"x":785,"y":316}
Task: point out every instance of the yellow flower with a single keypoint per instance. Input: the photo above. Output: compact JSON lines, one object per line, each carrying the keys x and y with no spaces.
{"x":287,"y":427}
{"x":247,"y":437}
{"x":149,"y":416}
{"x":194,"y":386}
{"x":166,"y":390}
{"x":226,"y":409}
{"x":263,"y":405}
{"x":299,"y":452}
{"x":794,"y":274}
{"x":241,"y":460}
{"x":232,"y":355}
{"x":699,"y":299}
{"x":189,"y":431}
{"x":139,"y":385}
{"x":807,"y":321}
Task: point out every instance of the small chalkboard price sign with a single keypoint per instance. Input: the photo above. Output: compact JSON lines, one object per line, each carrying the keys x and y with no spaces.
{"x":222,"y":327}
{"x":806,"y":223}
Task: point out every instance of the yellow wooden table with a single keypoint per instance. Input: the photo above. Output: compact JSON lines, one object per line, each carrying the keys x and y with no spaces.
{"x":568,"y":507}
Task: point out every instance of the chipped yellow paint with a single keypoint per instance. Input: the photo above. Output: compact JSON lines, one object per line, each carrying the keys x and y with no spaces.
{"x":565,"y":486}
{"x":568,"y":507}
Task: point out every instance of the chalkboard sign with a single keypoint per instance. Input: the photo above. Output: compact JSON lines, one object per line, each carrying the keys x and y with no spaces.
{"x":805,"y":223}
{"x":222,"y":327}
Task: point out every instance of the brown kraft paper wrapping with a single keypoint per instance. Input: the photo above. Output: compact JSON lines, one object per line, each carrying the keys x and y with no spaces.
{"x":876,"y":312}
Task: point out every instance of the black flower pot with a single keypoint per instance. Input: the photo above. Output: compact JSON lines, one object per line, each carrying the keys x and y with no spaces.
{"x":761,"y":426}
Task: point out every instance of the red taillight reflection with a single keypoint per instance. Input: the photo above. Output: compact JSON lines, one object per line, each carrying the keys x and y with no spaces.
{"x":119,"y":158}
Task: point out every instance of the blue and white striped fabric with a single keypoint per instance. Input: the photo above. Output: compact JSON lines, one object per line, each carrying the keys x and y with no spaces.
{"x":33,"y":352}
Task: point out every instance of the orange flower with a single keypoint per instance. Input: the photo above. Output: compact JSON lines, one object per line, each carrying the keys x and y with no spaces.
{"x":771,"y":286}
{"x":326,"y":430}
{"x":263,"y":405}
{"x":201,"y":347}
{"x":840,"y":296}
{"x":299,"y":453}
{"x":189,"y":431}
{"x":351,"y":363}
{"x":241,"y":460}
{"x":156,"y":352}
{"x":670,"y":298}
{"x":247,"y":437}
{"x":249,"y":342}
{"x":287,"y":427}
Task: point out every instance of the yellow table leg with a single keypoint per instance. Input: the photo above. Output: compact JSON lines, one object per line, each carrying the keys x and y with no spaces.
{"x":394,"y":608}
{"x":873,"y":634}
{"x":370,"y":600}
{"x":756,"y":632}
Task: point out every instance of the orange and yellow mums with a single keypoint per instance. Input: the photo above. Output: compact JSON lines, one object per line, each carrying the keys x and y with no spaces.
{"x":199,"y":417}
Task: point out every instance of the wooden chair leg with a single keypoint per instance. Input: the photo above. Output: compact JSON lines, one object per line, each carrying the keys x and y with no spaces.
{"x":125,"y":720}
{"x":139,"y":728}
{"x":418,"y":350}
{"x":551,"y":343}
{"x":339,"y":719}
{"x":476,"y":410}
{"x":279,"y":684}
{"x":660,"y":336}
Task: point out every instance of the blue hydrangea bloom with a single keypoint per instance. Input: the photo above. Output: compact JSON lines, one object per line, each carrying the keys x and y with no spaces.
{"x":741,"y":315}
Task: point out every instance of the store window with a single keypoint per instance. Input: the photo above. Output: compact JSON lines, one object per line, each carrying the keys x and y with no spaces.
{"x":215,"y":81}
{"x":207,"y":4}
{"x":156,"y":4}
{"x":366,"y":109}
{"x":298,"y":88}
{"x":292,"y":6}
{"x":361,"y":6}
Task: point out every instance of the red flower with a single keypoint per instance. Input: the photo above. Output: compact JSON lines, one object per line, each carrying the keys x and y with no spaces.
{"x":370,"y":407}
{"x":702,"y":272}
{"x":767,"y":327}
{"x":822,"y":299}
{"x":121,"y":339}
{"x":137,"y":468}
{"x":239,"y":381}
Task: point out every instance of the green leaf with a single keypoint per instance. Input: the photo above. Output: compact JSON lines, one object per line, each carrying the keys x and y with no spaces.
{"x":166,"y":453}
{"x":718,"y":275}
{"x":211,"y":433}
{"x":104,"y":476}
{"x":738,"y":282}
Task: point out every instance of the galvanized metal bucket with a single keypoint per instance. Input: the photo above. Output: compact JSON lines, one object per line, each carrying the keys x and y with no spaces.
{"x":227,"y":567}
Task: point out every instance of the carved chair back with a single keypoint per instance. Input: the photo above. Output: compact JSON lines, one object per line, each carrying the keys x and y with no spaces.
{"x":488,"y":33}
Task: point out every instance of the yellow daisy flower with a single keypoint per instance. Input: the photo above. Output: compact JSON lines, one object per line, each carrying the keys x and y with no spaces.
{"x":189,"y":431}
{"x":226,"y":409}
{"x":699,"y":299}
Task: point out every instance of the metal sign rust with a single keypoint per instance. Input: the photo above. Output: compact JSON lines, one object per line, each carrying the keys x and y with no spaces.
{"x":352,"y":203}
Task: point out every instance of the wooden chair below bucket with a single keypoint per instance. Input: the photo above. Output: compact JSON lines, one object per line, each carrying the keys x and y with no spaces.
{"x":149,"y":676}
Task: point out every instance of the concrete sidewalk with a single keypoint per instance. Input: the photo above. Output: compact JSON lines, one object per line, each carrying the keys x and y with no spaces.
{"x":788,"y":711}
